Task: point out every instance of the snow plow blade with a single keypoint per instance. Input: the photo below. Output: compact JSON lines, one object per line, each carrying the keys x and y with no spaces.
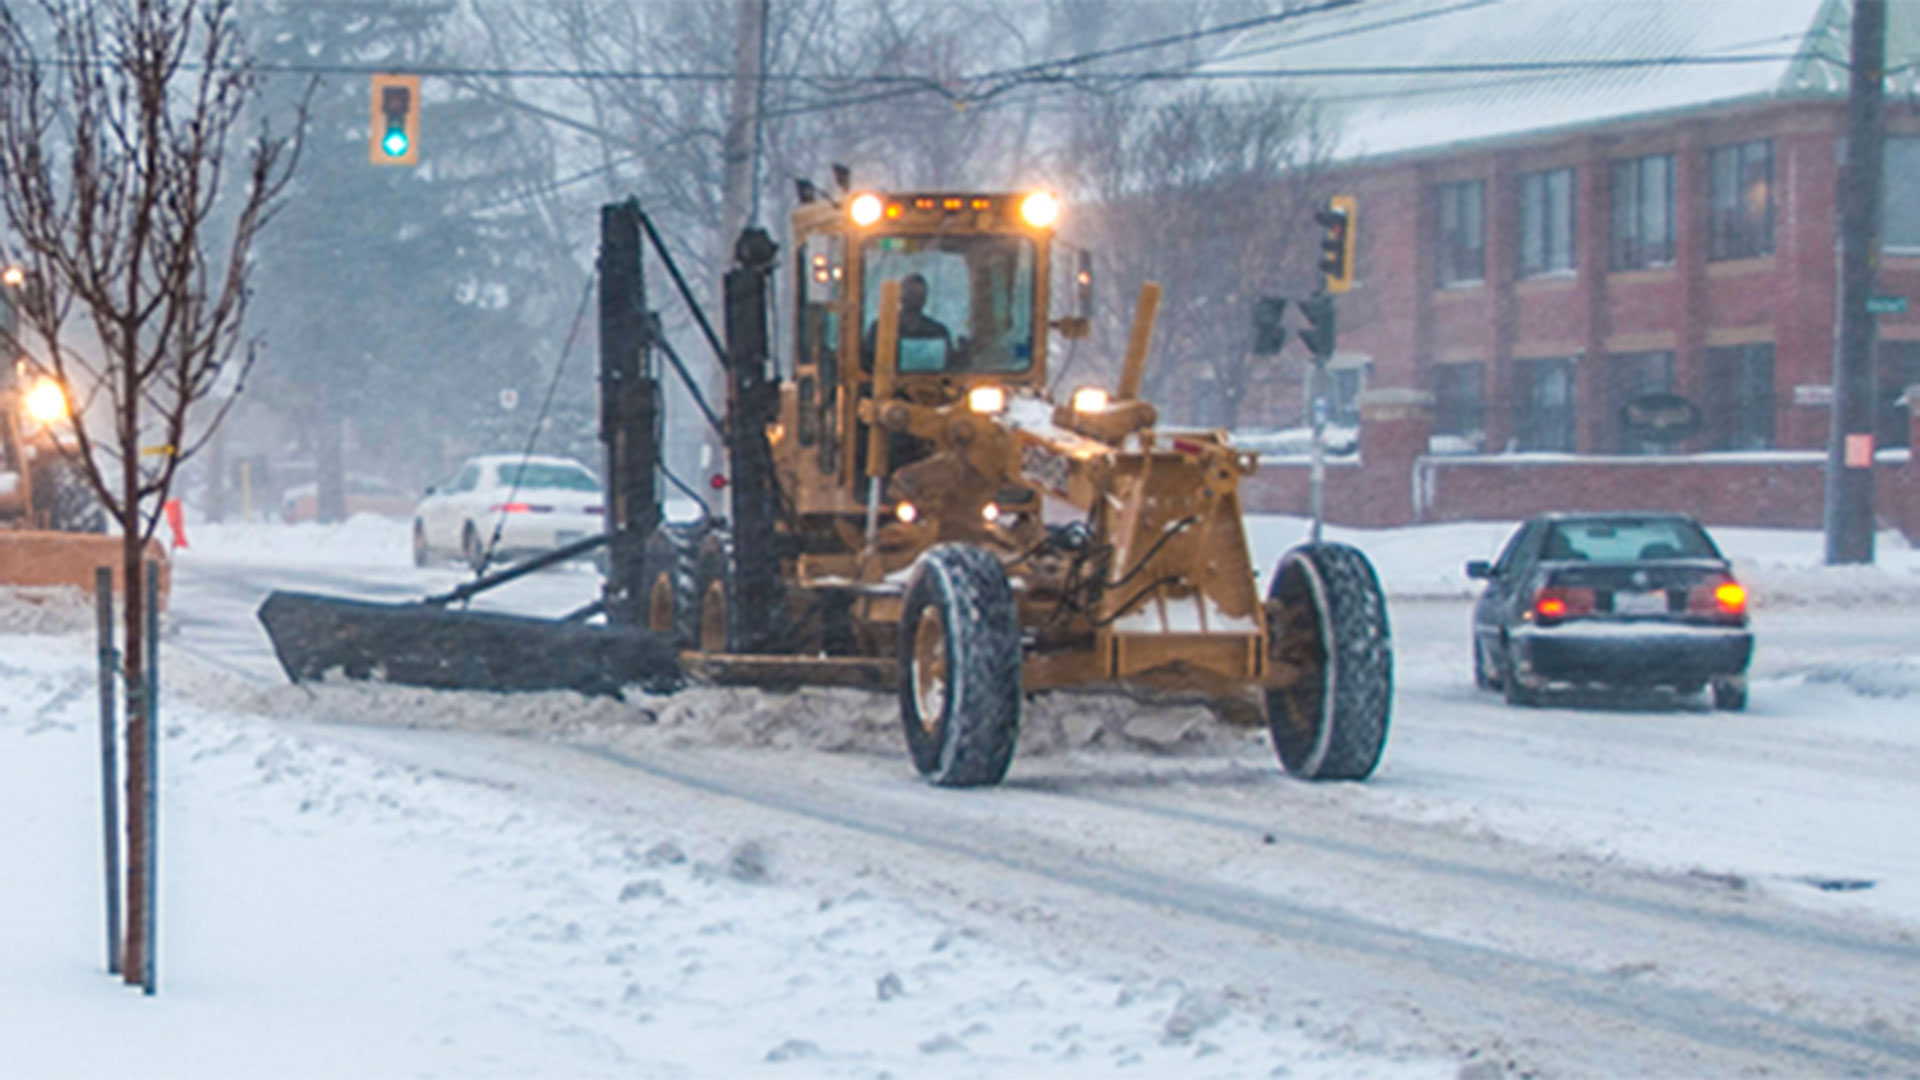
{"x":424,"y":644}
{"x":35,"y":558}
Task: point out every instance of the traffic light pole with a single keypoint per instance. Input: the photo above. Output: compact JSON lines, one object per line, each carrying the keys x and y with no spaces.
{"x":1316,"y":394}
{"x":1849,"y":496}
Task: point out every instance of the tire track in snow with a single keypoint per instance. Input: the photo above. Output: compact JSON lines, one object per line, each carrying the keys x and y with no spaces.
{"x":1696,"y":1016}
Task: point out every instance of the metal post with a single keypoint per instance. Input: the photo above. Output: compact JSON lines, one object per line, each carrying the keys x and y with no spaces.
{"x":1316,"y":395}
{"x":1849,"y":498}
{"x":153,"y":774}
{"x":109,"y":767}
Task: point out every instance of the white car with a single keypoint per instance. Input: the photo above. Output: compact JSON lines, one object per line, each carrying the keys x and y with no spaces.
{"x":536,"y":503}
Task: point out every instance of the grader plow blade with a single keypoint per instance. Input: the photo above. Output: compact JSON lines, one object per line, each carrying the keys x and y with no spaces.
{"x":428,"y":644}
{"x":425,"y":645}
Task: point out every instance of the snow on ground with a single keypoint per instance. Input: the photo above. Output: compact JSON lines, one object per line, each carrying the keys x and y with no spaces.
{"x":325,"y":913}
{"x":279,"y":841}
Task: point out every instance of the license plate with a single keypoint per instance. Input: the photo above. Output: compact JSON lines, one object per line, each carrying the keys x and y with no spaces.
{"x":1640,"y":603}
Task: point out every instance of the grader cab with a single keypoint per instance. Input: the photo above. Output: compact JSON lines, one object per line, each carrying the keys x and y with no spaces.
{"x":912,"y":511}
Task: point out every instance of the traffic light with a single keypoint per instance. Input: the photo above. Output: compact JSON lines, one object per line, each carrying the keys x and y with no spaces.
{"x":1269,"y":336}
{"x":1336,"y":248}
{"x":1319,"y":334}
{"x":394,"y":133}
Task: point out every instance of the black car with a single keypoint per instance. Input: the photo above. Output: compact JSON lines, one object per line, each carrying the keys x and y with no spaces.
{"x":1624,"y":600}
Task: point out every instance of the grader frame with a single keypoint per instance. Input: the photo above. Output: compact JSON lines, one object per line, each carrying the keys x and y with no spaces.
{"x":926,"y":520}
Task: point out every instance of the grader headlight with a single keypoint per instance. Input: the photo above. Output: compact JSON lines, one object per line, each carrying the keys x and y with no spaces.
{"x":1090,"y":399}
{"x":865,"y":209}
{"x":1040,"y":209}
{"x":987,"y":400}
{"x":46,"y":402}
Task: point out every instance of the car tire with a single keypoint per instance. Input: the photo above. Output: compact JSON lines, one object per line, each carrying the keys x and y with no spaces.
{"x":1332,"y":723}
{"x":1730,"y":693}
{"x":1483,"y":676}
{"x":960,"y":681}
{"x":470,"y":548}
{"x":1516,"y":691}
{"x":422,"y":553}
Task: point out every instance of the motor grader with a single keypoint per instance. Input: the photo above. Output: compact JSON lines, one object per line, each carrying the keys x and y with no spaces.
{"x":911,"y":510}
{"x":51,"y":524}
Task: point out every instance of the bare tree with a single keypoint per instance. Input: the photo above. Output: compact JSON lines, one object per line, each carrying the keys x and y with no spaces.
{"x":117,"y":149}
{"x":1213,"y":196}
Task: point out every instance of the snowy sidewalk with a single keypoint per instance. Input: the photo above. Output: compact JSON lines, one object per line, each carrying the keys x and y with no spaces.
{"x":327,"y":914}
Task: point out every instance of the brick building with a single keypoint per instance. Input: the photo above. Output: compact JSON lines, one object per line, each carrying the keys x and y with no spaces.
{"x":1565,"y":205}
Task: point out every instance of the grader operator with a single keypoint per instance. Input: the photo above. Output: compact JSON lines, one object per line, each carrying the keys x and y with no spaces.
{"x":911,"y":511}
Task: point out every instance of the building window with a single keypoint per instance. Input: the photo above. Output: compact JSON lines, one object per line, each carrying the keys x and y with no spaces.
{"x":1459,"y":407}
{"x":1460,"y":251}
{"x":1739,"y":403}
{"x":1900,"y":212}
{"x":1898,"y":371}
{"x":1741,"y":178}
{"x":1546,"y":222}
{"x":1543,"y":404}
{"x":1642,"y":229}
{"x":1628,"y":376}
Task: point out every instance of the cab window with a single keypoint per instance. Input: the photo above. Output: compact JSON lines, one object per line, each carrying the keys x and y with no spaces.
{"x":967,"y":301}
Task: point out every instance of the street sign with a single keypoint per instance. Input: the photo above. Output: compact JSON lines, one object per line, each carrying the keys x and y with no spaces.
{"x":1886,"y":305}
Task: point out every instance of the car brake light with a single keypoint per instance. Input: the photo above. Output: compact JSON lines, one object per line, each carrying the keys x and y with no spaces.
{"x":509,"y":508}
{"x":1731,"y":598}
{"x":1560,"y":602}
{"x":1724,"y":597}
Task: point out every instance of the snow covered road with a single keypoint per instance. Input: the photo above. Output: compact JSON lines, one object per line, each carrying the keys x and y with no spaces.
{"x":1593,"y":888}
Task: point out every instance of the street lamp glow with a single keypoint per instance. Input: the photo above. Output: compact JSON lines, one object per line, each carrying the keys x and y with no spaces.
{"x":46,"y":402}
{"x":13,"y":276}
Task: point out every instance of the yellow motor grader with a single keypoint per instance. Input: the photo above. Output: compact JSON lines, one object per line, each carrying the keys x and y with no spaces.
{"x":51,"y":526}
{"x":911,"y":510}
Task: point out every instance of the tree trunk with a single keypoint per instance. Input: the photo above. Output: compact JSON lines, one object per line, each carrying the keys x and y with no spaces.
{"x":133,"y":958}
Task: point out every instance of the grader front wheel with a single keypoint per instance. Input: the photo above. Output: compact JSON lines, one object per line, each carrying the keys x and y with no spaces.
{"x":1331,"y":626}
{"x":960,"y":687}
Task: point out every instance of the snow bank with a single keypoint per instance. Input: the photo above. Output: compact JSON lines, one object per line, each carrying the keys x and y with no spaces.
{"x":1781,"y":567}
{"x":365,"y":540}
{"x":26,"y":610}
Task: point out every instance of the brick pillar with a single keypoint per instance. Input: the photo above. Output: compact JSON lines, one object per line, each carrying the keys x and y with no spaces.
{"x":1395,"y":426}
{"x":1908,"y":491}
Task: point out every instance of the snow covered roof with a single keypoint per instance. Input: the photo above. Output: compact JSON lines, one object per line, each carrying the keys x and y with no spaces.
{"x":1351,"y":60}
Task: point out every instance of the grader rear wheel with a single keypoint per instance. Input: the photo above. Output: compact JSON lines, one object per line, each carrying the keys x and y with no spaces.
{"x":710,"y":581}
{"x":669,"y":567}
{"x":960,"y":689}
{"x":1332,"y":723}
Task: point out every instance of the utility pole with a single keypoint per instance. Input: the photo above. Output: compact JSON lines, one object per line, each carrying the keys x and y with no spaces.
{"x":1849,"y":498}
{"x":737,"y":184}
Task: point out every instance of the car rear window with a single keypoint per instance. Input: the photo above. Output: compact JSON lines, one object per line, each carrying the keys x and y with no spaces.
{"x":1627,"y":541}
{"x":551,"y":477}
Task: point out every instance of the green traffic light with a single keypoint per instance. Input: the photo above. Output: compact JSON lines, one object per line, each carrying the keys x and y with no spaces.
{"x":395,"y":143}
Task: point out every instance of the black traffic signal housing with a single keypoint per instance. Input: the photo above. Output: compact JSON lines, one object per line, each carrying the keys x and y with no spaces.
{"x":393,"y":134}
{"x":1269,"y":335}
{"x":1336,"y":247}
{"x":1319,"y":334}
